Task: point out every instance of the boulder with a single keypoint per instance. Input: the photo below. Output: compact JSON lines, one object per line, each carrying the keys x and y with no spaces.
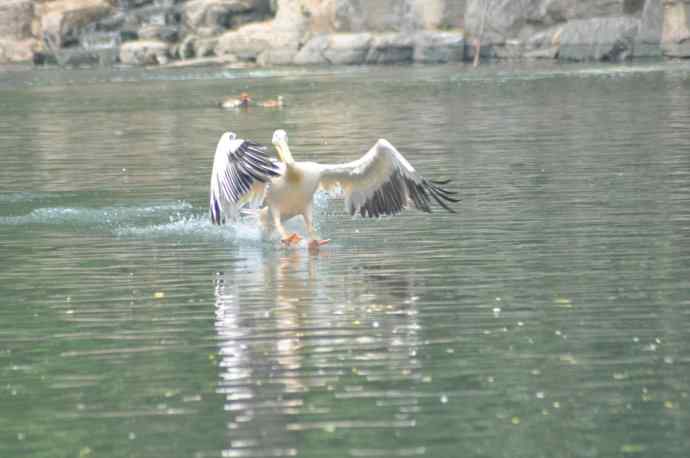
{"x":390,"y":48}
{"x":336,"y":49}
{"x":609,"y":39}
{"x":144,"y":52}
{"x":439,"y":47}
{"x":548,"y":38}
{"x":277,"y":56}
{"x":355,"y":16}
{"x":550,"y":52}
{"x":79,"y":57}
{"x":205,"y":47}
{"x":312,"y":53}
{"x":63,"y":20}
{"x":676,"y":29}
{"x":160,"y":14}
{"x":499,"y":20}
{"x":438,"y":14}
{"x":158,"y":32}
{"x":15,"y":19}
{"x":347,"y":48}
{"x":284,"y":32}
{"x":495,"y":21}
{"x":247,"y":42}
{"x":510,"y":50}
{"x":214,"y":14}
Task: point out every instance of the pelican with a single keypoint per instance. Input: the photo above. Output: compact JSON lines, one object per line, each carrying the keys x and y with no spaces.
{"x":381,"y":182}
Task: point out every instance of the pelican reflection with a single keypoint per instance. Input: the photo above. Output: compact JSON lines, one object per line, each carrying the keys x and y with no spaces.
{"x":295,"y":326}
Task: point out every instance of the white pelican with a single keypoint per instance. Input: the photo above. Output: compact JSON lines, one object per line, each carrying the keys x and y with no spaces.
{"x":382,"y":182}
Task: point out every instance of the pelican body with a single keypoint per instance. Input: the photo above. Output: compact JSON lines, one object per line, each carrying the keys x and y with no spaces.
{"x":380,"y":183}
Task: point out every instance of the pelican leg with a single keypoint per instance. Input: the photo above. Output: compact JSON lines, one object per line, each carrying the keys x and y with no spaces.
{"x":285,"y":238}
{"x":314,"y":241}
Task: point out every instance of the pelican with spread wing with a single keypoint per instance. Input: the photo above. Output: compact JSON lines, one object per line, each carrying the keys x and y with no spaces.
{"x":380,"y":183}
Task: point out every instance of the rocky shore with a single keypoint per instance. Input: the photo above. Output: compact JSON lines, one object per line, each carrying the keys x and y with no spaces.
{"x":322,"y":32}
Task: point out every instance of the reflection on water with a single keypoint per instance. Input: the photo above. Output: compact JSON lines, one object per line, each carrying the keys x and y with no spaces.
{"x":280,"y":356}
{"x":548,"y":317}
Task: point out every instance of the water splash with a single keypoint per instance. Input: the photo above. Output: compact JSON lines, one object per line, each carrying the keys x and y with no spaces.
{"x":197,"y":226}
{"x":89,"y":217}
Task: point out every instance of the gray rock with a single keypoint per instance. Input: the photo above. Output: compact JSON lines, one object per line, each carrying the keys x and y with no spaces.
{"x":355,"y":16}
{"x":80,"y":57}
{"x":205,"y":47}
{"x":510,"y":50}
{"x":156,"y":14}
{"x":542,"y":53}
{"x":543,"y":39}
{"x":312,"y":53}
{"x":494,"y":21}
{"x":439,"y":47}
{"x":390,"y":48}
{"x":144,"y":52}
{"x":609,"y":39}
{"x":338,"y":49}
{"x":63,"y":22}
{"x":499,"y":20}
{"x":285,"y":31}
{"x":138,"y":3}
{"x":112,"y":23}
{"x":246,"y":43}
{"x":347,"y":48}
{"x":648,"y":40}
{"x":277,"y":56}
{"x":215,"y":14}
{"x":442,"y":14}
{"x":158,"y":32}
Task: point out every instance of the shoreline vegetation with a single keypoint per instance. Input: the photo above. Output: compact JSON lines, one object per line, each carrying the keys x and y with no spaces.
{"x":237,"y":33}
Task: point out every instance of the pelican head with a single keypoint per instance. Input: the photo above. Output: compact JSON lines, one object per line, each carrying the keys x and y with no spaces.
{"x":280,"y":141}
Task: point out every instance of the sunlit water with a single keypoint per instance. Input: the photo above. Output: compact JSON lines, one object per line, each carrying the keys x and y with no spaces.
{"x":548,"y":317}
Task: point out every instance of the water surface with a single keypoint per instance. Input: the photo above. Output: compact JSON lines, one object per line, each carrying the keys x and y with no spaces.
{"x":548,"y":317}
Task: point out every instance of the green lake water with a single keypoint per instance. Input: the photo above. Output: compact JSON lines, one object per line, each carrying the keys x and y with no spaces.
{"x":548,"y":317}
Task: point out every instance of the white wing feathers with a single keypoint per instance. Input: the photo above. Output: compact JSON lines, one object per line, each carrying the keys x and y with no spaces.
{"x":241,"y":169}
{"x":383,"y":182}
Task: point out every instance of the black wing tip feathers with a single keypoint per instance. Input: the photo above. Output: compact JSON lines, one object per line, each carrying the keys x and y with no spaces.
{"x":247,"y":163}
{"x":400,"y":191}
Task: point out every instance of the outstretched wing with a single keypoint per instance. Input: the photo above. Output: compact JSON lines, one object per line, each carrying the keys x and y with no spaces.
{"x":382,"y":182}
{"x":241,"y":170}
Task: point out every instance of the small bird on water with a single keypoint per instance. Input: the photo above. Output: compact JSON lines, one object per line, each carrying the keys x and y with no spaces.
{"x":231,"y":102}
{"x":380,"y":183}
{"x":272,"y":103}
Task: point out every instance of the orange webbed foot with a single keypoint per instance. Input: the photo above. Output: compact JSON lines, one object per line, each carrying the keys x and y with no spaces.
{"x":294,"y":238}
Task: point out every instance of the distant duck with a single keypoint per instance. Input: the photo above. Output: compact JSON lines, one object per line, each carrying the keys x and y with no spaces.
{"x":231,"y":102}
{"x":272,"y":103}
